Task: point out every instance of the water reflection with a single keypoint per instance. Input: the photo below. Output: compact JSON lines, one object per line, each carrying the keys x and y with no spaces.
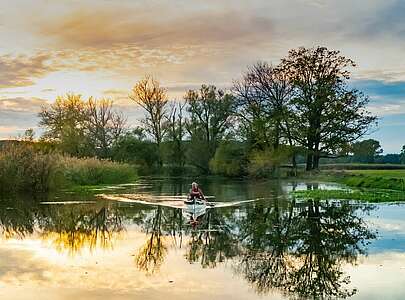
{"x":70,"y":228}
{"x":17,"y":219}
{"x":78,"y":227}
{"x":213,"y":241}
{"x":152,"y":253}
{"x":301,"y":250}
{"x":296,"y":248}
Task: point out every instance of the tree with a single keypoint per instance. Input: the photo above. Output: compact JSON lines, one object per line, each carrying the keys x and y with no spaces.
{"x":229,"y":159}
{"x":82,"y":128}
{"x":326,"y":114}
{"x":148,"y":94}
{"x":366,"y":151}
{"x":133,"y":147}
{"x":403,"y":155}
{"x":211,"y":111}
{"x":263,"y":97}
{"x":65,"y":124}
{"x":104,"y":125}
{"x":28,"y":135}
{"x":175,"y":134}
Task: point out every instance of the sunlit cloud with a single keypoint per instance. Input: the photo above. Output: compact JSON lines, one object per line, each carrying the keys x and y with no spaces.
{"x":22,"y":70}
{"x":20,"y":104}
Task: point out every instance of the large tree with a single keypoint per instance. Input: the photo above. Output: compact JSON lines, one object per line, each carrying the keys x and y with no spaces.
{"x":263,"y":95}
{"x":82,"y":128}
{"x":327,"y":114}
{"x":104,"y":125}
{"x":65,"y":124}
{"x":263,"y":98}
{"x":210,"y":113}
{"x":176,"y":131}
{"x":148,"y":94}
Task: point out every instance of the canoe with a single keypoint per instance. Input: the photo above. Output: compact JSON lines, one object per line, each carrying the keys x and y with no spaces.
{"x":194,"y":210}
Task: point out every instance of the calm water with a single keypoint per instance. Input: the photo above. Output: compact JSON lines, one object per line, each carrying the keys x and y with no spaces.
{"x":270,"y":248}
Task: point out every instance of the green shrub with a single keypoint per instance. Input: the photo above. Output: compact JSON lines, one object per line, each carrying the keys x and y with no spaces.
{"x":267,"y":163}
{"x":229,"y":160}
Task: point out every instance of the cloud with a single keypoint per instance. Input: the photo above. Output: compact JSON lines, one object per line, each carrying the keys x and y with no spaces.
{"x":47,"y":90}
{"x":386,"y":98}
{"x":19,"y":114}
{"x":27,"y":268}
{"x":99,"y":27}
{"x":387,"y":21}
{"x":20,"y":104}
{"x":92,"y":46}
{"x":22,"y":70}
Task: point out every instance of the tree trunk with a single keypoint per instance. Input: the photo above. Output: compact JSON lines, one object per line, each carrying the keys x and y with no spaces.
{"x":276,"y":142}
{"x":294,"y":164}
{"x":160,"y":163}
{"x":315,"y":165}
{"x":310,"y":157}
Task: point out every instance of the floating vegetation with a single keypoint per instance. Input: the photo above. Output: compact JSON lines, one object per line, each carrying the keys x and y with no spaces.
{"x":360,"y":195}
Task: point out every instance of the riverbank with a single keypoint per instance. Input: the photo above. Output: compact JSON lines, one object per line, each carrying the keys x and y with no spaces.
{"x":371,"y":179}
{"x":372,"y":185}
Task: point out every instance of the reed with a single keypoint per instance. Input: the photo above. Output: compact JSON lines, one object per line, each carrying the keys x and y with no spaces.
{"x":25,"y":168}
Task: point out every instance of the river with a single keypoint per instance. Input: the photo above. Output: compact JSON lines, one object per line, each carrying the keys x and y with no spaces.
{"x":256,"y":243}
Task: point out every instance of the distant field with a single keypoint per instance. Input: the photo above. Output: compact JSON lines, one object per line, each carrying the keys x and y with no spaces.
{"x":379,"y":173}
{"x":356,"y":166}
{"x":372,"y":179}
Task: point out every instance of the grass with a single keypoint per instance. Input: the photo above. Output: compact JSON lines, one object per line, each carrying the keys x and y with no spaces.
{"x":362,"y":166}
{"x":23,"y":168}
{"x":359,"y":195}
{"x":372,"y":179}
{"x":371,"y":185}
{"x":379,"y":173}
{"x":92,"y":171}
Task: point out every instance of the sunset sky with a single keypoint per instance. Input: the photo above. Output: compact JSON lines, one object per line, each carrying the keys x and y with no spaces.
{"x":102,"y":47}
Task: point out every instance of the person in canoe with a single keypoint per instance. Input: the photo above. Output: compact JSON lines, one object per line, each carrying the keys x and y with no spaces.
{"x":196,"y":193}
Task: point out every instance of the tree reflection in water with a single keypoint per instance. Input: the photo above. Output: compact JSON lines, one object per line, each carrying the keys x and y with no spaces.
{"x":79,"y":227}
{"x":297,"y":248}
{"x":151,"y":255}
{"x":304,"y":249}
{"x":69,"y":228}
{"x":16,"y":221}
{"x":213,"y":241}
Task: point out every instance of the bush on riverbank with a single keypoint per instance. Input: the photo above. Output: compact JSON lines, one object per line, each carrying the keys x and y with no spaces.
{"x":24,"y":168}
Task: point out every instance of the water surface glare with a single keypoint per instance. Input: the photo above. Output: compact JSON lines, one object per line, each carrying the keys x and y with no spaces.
{"x":270,"y":247}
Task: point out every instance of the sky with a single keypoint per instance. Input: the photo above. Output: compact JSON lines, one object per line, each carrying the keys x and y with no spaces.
{"x":101,"y":48}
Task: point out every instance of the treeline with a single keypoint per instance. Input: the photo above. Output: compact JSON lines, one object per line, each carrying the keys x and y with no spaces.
{"x":272,"y":116}
{"x":369,"y":151}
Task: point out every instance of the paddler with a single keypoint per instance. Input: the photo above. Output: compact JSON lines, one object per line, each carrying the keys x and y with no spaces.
{"x":196,"y":192}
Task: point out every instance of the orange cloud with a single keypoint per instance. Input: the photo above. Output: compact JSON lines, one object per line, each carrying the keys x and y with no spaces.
{"x":20,"y":104}
{"x":22,"y":70}
{"x":99,"y":27}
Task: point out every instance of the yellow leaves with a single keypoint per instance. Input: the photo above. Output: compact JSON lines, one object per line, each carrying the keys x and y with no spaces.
{"x":151,"y":255}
